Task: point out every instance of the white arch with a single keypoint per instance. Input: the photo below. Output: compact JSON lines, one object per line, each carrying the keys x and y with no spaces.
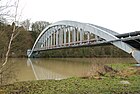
{"x":104,"y":33}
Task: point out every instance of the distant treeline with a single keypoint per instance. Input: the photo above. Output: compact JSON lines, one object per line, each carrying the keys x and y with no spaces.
{"x":24,"y":39}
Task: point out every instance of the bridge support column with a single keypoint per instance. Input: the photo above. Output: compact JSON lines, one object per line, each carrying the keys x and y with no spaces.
{"x":43,"y":42}
{"x":81,"y":36}
{"x":136,"y":55}
{"x":64,"y":36}
{"x":48,"y":42}
{"x":61,"y":37}
{"x":74,"y":36}
{"x":88,"y":37}
{"x":69,"y":36}
{"x":77,"y":35}
{"x":56,"y":38}
{"x":51,"y":41}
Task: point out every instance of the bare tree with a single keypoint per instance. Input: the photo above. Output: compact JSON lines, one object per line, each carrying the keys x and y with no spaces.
{"x":5,"y":9}
{"x":11,"y":38}
{"x":26,"y":24}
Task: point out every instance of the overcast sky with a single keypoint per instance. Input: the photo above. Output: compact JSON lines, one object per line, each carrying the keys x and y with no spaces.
{"x":118,"y":15}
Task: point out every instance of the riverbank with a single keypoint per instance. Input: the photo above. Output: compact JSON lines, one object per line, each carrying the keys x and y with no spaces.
{"x":121,"y":83}
{"x":130,"y":85}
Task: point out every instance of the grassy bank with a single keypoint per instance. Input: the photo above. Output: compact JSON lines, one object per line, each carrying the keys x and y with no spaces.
{"x":105,"y":85}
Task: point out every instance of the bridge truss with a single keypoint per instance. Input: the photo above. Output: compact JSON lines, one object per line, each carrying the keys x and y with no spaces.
{"x":66,"y":34}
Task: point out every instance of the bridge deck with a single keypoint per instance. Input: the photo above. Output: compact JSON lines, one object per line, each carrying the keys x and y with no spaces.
{"x":134,"y":41}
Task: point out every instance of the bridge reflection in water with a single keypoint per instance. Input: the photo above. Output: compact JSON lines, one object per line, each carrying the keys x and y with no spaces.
{"x":43,"y":73}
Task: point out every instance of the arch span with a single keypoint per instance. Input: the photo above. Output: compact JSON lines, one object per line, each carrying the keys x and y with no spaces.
{"x":71,"y":33}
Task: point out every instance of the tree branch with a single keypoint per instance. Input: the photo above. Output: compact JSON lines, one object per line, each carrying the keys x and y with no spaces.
{"x":11,"y":39}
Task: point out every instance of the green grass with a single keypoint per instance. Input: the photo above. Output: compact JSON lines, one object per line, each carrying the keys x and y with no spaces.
{"x":106,"y":85}
{"x":120,"y":66}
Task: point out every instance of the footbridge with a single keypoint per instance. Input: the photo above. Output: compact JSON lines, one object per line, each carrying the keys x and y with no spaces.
{"x":68,"y":34}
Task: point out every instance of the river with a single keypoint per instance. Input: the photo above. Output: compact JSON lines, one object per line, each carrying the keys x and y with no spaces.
{"x":25,"y":69}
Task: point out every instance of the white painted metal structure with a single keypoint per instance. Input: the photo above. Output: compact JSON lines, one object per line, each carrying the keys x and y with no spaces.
{"x":73,"y":34}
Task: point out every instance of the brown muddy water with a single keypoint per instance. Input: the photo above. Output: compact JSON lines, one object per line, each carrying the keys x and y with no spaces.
{"x":24,"y":69}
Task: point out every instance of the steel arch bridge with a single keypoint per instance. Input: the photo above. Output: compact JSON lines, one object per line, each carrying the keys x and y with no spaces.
{"x":66,"y":34}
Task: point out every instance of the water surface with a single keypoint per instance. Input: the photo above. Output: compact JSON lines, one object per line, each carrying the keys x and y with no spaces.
{"x":25,"y":69}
